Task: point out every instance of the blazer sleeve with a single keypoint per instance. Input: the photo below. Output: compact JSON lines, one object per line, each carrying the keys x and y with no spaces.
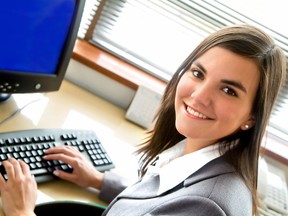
{"x":113,"y":184}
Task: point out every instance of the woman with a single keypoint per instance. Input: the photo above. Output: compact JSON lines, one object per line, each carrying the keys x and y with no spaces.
{"x":202,"y":155}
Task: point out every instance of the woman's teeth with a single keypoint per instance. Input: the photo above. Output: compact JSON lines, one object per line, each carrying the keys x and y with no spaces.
{"x":195,"y":113}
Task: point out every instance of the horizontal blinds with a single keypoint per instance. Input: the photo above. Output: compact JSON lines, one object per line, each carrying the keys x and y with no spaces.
{"x":157,"y":35}
{"x":89,"y":12}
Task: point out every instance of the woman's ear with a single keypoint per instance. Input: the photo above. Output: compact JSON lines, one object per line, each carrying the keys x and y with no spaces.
{"x":248,"y":124}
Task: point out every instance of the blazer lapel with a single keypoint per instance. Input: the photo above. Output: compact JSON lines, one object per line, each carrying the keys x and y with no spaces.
{"x":145,"y":188}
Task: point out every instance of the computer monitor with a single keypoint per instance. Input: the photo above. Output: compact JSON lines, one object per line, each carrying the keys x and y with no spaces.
{"x":37,"y":39}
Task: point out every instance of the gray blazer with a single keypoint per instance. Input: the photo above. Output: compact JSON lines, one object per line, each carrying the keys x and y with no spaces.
{"x":214,"y":190}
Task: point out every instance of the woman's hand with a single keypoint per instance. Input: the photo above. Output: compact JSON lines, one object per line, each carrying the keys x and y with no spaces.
{"x":19,"y":192}
{"x":84,"y":173}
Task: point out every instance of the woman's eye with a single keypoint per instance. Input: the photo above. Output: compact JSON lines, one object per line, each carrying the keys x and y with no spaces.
{"x":198,"y":74}
{"x":229,"y":91}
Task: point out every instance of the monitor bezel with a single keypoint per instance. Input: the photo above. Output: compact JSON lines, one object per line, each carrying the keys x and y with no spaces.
{"x":12,"y":82}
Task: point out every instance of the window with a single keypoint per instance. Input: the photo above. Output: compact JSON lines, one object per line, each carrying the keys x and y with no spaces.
{"x":157,"y":35}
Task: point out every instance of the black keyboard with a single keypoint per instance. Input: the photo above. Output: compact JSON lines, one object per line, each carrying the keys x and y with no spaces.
{"x":29,"y":145}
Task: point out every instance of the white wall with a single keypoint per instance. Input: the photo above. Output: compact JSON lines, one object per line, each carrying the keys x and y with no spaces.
{"x":100,"y":85}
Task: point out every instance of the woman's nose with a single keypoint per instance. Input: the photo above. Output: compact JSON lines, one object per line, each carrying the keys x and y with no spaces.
{"x":203,"y":94}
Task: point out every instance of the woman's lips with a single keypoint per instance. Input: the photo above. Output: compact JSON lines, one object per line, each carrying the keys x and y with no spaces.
{"x":195,"y":113}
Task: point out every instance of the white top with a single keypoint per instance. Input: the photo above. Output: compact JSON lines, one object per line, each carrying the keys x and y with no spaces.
{"x":173,"y":166}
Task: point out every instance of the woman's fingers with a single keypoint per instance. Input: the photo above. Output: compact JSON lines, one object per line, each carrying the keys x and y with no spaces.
{"x":60,"y":157}
{"x":16,"y":169}
{"x":12,"y":167}
{"x":66,"y":154}
{"x":25,"y":168}
{"x":67,"y":150}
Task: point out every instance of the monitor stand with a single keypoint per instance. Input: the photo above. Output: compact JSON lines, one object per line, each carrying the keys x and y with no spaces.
{"x":4,"y":97}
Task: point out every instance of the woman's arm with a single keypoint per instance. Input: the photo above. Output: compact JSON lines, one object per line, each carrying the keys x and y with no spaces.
{"x":112,"y":185}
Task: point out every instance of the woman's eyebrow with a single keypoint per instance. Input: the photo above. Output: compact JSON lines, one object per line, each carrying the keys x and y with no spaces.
{"x":200,"y":66}
{"x":235,"y":84}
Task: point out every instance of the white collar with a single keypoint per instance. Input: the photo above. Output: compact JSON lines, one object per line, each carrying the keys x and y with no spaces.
{"x":173,"y":167}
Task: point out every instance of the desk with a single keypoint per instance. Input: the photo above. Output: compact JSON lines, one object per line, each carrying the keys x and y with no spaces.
{"x":73,"y":107}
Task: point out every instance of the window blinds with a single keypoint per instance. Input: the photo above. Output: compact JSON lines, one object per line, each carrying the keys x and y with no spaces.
{"x":91,"y":6}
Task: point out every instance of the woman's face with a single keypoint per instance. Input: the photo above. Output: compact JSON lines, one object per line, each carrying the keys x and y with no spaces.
{"x":214,"y":97}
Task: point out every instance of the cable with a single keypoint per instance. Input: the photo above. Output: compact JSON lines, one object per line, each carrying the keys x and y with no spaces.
{"x":18,"y":111}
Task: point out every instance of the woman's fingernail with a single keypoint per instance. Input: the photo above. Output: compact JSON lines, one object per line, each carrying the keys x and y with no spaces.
{"x":56,"y":173}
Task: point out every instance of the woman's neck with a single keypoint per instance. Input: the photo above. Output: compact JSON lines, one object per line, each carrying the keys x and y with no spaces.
{"x":195,"y":145}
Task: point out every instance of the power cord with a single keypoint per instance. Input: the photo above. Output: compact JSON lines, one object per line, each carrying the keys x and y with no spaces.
{"x":19,"y":110}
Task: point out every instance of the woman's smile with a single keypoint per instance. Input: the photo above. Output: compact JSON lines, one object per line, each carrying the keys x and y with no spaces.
{"x":194,"y":113}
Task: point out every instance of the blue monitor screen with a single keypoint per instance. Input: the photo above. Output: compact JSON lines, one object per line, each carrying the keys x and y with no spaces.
{"x":33,"y":34}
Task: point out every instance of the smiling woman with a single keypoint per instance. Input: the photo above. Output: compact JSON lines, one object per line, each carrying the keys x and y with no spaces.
{"x":235,"y":117}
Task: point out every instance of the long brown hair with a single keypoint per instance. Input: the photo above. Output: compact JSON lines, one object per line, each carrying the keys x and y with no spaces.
{"x":241,"y":148}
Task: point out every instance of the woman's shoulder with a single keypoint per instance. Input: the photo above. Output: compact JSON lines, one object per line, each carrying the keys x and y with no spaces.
{"x":220,"y":175}
{"x":220,"y":183}
{"x":218,"y":167}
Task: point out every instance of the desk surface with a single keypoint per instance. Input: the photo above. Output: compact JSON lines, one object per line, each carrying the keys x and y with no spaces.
{"x":73,"y":107}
